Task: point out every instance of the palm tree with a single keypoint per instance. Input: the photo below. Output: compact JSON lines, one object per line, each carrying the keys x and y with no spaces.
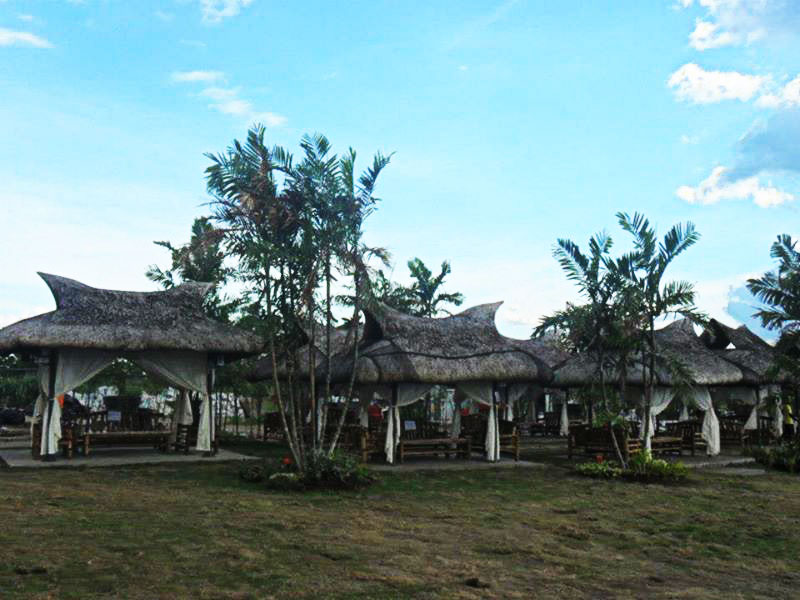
{"x":644,"y":268}
{"x":779,"y":290}
{"x":200,"y":260}
{"x":424,"y":293}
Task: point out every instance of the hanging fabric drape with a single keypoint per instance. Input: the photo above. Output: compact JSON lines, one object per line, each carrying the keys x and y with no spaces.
{"x":662,"y":396}
{"x":42,"y":377}
{"x":758,"y":398}
{"x":407,"y":393}
{"x":483,"y":393}
{"x":364,"y":400}
{"x":187,"y":370}
{"x":206,"y":424}
{"x":455,"y":423}
{"x":73,"y":368}
{"x":515,"y":392}
{"x":684,"y":412}
{"x":563,"y":430}
{"x":710,"y":430}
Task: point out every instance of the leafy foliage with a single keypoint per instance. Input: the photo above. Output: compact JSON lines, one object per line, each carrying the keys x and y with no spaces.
{"x":784,"y":456}
{"x":779,"y":290}
{"x":201,"y":260}
{"x":642,"y":467}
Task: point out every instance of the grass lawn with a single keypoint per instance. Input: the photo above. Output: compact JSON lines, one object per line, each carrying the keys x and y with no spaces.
{"x":196,"y":531}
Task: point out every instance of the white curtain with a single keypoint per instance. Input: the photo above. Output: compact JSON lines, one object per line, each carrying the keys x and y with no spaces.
{"x":564,"y":421}
{"x":710,"y":431}
{"x":515,"y":392}
{"x":407,"y":393}
{"x":455,"y":424}
{"x":684,"y":412}
{"x":187,"y":370}
{"x":364,"y":401}
{"x":73,"y":368}
{"x":42,"y":376}
{"x":662,"y":396}
{"x":482,"y":393}
{"x":758,"y":398}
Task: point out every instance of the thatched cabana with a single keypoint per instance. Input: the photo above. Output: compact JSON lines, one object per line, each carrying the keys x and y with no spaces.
{"x":678,"y":348}
{"x":758,"y":361}
{"x":166,"y":333}
{"x":402,"y":356}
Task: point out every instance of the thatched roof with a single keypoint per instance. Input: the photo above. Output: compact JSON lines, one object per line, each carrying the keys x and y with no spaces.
{"x":87,"y":317}
{"x":401,"y":348}
{"x":745,"y":349}
{"x":678,"y":343}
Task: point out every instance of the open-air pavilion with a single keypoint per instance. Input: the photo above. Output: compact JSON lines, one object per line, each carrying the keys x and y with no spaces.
{"x":166,"y":333}
{"x":699,"y":371}
{"x":402,"y":357}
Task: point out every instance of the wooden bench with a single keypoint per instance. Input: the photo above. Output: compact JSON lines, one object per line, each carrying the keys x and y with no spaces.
{"x":154,"y":439}
{"x":434,"y":446}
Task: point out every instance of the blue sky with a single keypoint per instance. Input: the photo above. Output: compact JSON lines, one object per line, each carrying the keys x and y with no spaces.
{"x":514,"y":123}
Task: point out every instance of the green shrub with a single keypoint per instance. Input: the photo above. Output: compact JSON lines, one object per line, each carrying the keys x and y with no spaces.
{"x":642,"y":467}
{"x":338,"y":472}
{"x":785,"y":456}
{"x":255,"y":471}
{"x":603,"y":470}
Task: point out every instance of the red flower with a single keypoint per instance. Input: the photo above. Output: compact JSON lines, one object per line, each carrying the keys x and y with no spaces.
{"x":286,"y":461}
{"x":600,"y":459}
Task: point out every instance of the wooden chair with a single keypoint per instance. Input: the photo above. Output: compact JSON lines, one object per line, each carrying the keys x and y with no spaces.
{"x":509,"y":438}
{"x":182,"y":442}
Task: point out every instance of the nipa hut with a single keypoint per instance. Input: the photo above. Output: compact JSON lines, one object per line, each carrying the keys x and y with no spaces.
{"x":166,"y":333}
{"x":401,"y":357}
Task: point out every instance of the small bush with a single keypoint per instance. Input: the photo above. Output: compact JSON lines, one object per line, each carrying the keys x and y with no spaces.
{"x":323,"y":472}
{"x":642,"y":467}
{"x":338,"y":472}
{"x":256,"y":471}
{"x":603,"y":470}
{"x":785,"y":456}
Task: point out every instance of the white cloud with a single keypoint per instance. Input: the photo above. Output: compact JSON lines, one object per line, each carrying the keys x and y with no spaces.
{"x":785,"y":97}
{"x":228,"y":102}
{"x":22,"y":38}
{"x":693,"y":83}
{"x":193,"y":43}
{"x":269,"y":119}
{"x":690,"y":139}
{"x":717,"y":187}
{"x":463,"y":67}
{"x":164,"y":16}
{"x":220,"y":94}
{"x":707,"y":35}
{"x":215,"y":11}
{"x":197,"y":76}
{"x":738,"y":22}
{"x":26,"y":18}
{"x":236,"y":106}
